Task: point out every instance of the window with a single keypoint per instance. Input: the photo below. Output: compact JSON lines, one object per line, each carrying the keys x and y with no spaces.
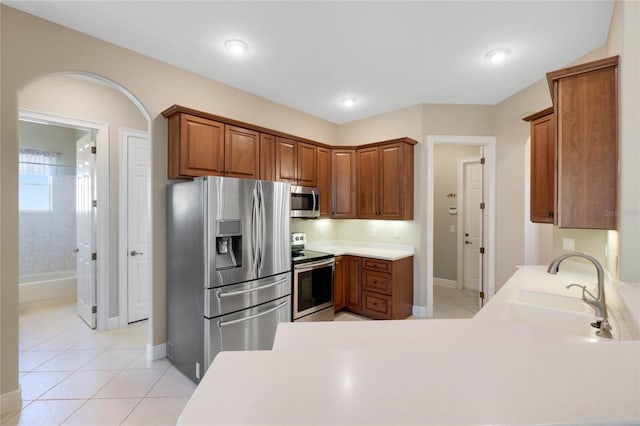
{"x":34,"y":193}
{"x":34,"y":184}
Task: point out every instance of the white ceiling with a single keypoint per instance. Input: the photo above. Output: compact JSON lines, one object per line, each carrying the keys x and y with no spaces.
{"x":310,"y":54}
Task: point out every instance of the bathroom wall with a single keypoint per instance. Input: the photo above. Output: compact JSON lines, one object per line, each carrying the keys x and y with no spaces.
{"x":445,"y":173}
{"x":47,"y":239}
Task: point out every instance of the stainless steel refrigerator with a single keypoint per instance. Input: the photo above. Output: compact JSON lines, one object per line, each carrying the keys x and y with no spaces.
{"x":228,"y":268}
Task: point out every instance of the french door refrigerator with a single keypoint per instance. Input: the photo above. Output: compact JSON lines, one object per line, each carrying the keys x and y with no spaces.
{"x":228,"y":268}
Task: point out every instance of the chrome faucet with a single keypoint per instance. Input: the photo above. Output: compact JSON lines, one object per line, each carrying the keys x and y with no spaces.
{"x":598,"y":301}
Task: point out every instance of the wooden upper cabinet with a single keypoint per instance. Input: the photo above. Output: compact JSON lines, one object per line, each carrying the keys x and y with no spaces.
{"x":323,"y":172}
{"x":267,"y":157}
{"x":306,"y":164}
{"x":368,"y":183}
{"x":241,"y":148}
{"x":586,"y":112}
{"x":543,"y":163}
{"x":396,"y":181}
{"x":196,"y":146}
{"x":343,"y":183}
{"x":286,"y":160}
{"x":385,"y":180}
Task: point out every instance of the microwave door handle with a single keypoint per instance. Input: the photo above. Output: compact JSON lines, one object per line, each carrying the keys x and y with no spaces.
{"x":313,"y":195}
{"x":250,"y":317}
{"x":222,"y":294}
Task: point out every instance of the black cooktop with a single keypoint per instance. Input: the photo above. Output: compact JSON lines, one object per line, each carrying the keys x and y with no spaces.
{"x":309,"y":256}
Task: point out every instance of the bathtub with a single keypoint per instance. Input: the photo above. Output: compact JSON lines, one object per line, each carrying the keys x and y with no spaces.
{"x":48,"y":288}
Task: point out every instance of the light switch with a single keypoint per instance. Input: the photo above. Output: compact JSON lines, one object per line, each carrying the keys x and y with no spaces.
{"x":452,"y":228}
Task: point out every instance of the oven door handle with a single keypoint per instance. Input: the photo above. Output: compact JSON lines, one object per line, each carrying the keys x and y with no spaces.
{"x":303,"y":267}
{"x":222,"y":294}
{"x":250,"y":317}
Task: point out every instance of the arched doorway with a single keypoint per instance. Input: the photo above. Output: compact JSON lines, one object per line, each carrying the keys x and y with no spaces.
{"x":95,"y":103}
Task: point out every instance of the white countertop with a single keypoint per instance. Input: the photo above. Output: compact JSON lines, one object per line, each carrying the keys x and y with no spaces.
{"x":477,"y":371}
{"x":355,"y":248}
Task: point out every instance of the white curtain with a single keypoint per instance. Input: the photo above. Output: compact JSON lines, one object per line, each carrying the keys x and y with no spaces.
{"x":37,"y":162}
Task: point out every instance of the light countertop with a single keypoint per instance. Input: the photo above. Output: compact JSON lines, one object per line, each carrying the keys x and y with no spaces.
{"x":485,"y":370}
{"x":354,"y":248}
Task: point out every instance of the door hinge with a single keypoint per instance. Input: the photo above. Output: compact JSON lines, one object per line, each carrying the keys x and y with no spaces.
{"x":94,"y":203}
{"x":482,"y":160}
{"x":94,"y":150}
{"x":482,"y":295}
{"x":481,"y":250}
{"x":482,"y":205}
{"x":94,"y":256}
{"x":94,"y":310}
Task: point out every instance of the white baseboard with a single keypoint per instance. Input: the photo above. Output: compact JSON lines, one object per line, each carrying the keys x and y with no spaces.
{"x":156,"y":352}
{"x":420,"y":311}
{"x":11,"y":401}
{"x":113,"y":323}
{"x":445,"y":283}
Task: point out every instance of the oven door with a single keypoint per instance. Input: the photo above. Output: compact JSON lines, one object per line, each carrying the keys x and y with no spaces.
{"x":312,"y":287}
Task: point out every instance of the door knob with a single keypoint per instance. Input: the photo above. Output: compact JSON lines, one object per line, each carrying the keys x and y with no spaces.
{"x":136,"y":253}
{"x":76,"y":250}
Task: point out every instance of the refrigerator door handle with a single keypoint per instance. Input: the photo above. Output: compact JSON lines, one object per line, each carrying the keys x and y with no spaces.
{"x":254,"y":230}
{"x":262,"y":225}
{"x":250,"y":317}
{"x":222,"y":294}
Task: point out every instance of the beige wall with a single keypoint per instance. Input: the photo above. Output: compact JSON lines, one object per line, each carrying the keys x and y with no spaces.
{"x":49,"y":138}
{"x":445,"y":175}
{"x":85,"y":100}
{"x":33,"y":48}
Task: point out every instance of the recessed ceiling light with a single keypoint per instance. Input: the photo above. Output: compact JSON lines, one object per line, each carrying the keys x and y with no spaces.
{"x":237,"y":47}
{"x":349,"y":101}
{"x":498,"y":55}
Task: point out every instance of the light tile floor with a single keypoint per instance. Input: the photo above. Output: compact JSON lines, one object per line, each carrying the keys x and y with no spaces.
{"x":447,"y":303}
{"x":72,"y":375}
{"x":454,"y":303}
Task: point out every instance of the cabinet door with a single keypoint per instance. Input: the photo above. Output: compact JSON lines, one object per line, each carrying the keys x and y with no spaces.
{"x":543,"y":152}
{"x":392,"y":183}
{"x":201,"y":146}
{"x":343,"y":183}
{"x":306,"y":164}
{"x":352,"y":276}
{"x":367,"y":183}
{"x":339,"y":284}
{"x":286,"y":158}
{"x":267,"y":157}
{"x":241,"y":148}
{"x":323,"y":170}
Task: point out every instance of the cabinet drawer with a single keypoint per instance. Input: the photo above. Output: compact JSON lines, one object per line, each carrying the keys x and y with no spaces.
{"x":376,"y":305}
{"x":376,"y":264}
{"x":376,"y":281}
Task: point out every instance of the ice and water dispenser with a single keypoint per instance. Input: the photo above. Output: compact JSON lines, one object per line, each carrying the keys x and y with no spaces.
{"x":228,"y":244}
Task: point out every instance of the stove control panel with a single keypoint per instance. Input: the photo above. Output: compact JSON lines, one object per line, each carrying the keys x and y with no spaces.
{"x":298,"y":241}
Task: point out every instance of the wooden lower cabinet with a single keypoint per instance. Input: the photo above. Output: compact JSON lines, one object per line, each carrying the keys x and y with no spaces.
{"x":339,"y":284}
{"x":376,"y":288}
{"x":353,"y":298}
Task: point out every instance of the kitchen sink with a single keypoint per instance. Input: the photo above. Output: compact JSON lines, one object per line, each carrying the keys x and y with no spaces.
{"x":555,"y":301}
{"x":551,"y":318}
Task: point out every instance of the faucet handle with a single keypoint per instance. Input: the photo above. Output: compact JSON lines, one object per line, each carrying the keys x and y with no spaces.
{"x":584,"y":291}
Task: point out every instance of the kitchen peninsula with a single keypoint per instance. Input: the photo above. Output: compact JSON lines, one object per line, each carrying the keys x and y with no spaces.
{"x":494,"y":368}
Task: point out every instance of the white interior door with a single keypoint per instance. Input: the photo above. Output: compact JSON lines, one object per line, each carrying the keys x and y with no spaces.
{"x":472,"y":225}
{"x":138,"y":174}
{"x":85,"y":229}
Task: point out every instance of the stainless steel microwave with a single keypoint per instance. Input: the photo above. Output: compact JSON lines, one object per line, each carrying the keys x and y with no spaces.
{"x":305,"y":202}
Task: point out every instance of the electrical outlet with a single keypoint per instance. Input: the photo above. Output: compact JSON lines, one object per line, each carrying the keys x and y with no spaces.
{"x":396,"y":233}
{"x":373,"y":232}
{"x":568,"y":244}
{"x":452,"y":228}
